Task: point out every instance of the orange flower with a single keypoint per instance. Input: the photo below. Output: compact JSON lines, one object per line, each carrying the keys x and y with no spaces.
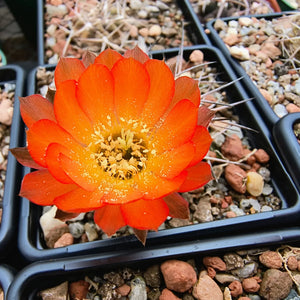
{"x":121,"y":138}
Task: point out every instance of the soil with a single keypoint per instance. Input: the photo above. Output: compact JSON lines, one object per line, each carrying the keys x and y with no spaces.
{"x":241,"y":273}
{"x":74,"y":26}
{"x":271,"y":59}
{"x":208,"y":10}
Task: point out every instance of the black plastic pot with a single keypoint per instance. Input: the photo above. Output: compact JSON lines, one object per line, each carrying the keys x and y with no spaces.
{"x":42,"y":275}
{"x":9,"y":224}
{"x":31,"y":243}
{"x":288,"y":145}
{"x":193,"y":27}
{"x":7,"y":274}
{"x":269,"y":116}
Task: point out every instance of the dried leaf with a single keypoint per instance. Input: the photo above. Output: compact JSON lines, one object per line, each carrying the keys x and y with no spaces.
{"x":65,"y":216}
{"x":23,"y":157}
{"x":88,"y":58}
{"x":205,"y":115}
{"x":50,"y":94}
{"x":141,"y":235}
{"x":178,"y":206}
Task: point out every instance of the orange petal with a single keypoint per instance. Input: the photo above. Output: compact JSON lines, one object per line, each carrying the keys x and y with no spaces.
{"x":109,"y":218}
{"x":171,"y":163}
{"x":68,"y":69}
{"x":178,"y":206}
{"x":145,"y":214}
{"x":84,"y":172}
{"x":186,"y":88}
{"x":53,"y":162}
{"x":198,"y":176}
{"x":41,"y":134}
{"x":79,"y":200}
{"x":34,"y":108}
{"x":108,"y":58}
{"x":201,"y":140}
{"x":161,"y":91}
{"x":178,"y":127}
{"x":131,"y":88}
{"x":137,"y":54}
{"x":121,"y":191}
{"x":95,"y":93}
{"x":68,"y":113}
{"x":156,"y":187}
{"x":41,"y":188}
{"x":23,"y":157}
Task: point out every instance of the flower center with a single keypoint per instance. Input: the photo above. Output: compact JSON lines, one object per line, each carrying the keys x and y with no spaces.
{"x":121,"y":155}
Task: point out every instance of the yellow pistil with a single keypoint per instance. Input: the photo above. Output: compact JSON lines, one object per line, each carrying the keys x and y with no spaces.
{"x":121,"y":155}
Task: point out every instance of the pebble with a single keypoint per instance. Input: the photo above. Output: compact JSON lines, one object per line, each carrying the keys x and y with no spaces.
{"x":233,"y":148}
{"x":246,"y":203}
{"x":52,"y":227}
{"x":215,"y":262}
{"x":197,"y":57}
{"x":247,"y":271}
{"x":251,"y":285}
{"x":227,"y":294}
{"x":167,"y":295}
{"x":152,"y":276}
{"x":254,"y":186}
{"x":76,"y":229}
{"x":6,"y":111}
{"x":203,"y":210}
{"x":236,"y":288}
{"x":235,"y":209}
{"x":233,"y":261}
{"x":292,"y":263}
{"x":207,"y":289}
{"x":240,"y":53}
{"x":280,"y":110}
{"x":275,"y":285}
{"x":245,"y":21}
{"x":123,"y":290}
{"x":91,"y":232}
{"x":271,"y":259}
{"x":138,"y":289}
{"x":155,"y":30}
{"x":66,"y":239}
{"x":59,"y":292}
{"x":78,"y":289}
{"x":179,"y":276}
{"x":236,"y":177}
{"x":56,"y":10}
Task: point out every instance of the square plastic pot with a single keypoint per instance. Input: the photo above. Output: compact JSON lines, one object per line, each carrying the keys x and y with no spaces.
{"x":7,"y":274}
{"x":12,"y":74}
{"x":194,"y":28}
{"x":288,"y":145}
{"x":31,"y":243}
{"x":269,"y":116}
{"x":43,"y":275}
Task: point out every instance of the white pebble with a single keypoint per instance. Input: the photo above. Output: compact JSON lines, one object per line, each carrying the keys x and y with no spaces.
{"x":267,"y":190}
{"x":245,"y":21}
{"x":155,"y":30}
{"x":233,"y":24}
{"x":280,"y":110}
{"x":240,"y":53}
{"x":238,"y":211}
{"x":48,"y":221}
{"x":266,"y":208}
{"x":136,"y":4}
